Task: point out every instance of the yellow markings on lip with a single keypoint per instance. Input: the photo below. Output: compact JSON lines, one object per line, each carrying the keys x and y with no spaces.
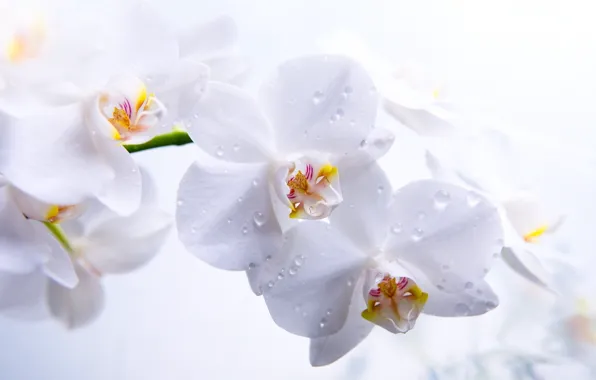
{"x":532,"y":236}
{"x":52,"y":213}
{"x":141,"y":98}
{"x":327,"y":171}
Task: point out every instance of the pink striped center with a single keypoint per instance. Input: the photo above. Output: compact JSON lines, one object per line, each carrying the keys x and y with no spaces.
{"x":375,"y":292}
{"x":309,"y":172}
{"x":126,"y":107}
{"x":403,"y":281}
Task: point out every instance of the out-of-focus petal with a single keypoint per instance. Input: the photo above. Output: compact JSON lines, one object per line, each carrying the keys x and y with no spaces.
{"x":364,"y":215}
{"x":44,"y":212}
{"x":448,"y":232}
{"x":123,"y":244}
{"x":324,"y":103}
{"x":530,"y":217}
{"x":224,"y":214}
{"x":525,"y":263}
{"x":328,"y":349}
{"x":232,"y":68}
{"x":206,"y":40}
{"x":79,"y":306}
{"x":20,"y":251}
{"x":228,"y":124}
{"x":308,"y":285}
{"x":51,"y":156}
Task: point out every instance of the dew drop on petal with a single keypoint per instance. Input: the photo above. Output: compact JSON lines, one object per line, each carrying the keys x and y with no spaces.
{"x":396,"y":229}
{"x":255,"y":182}
{"x":195,"y":116}
{"x":280,"y":276}
{"x":380,"y":189}
{"x":259,"y":219}
{"x":318,"y":97}
{"x":339,"y":113}
{"x":323,"y":323}
{"x":251,"y":266}
{"x":329,"y":312}
{"x":268,"y":258}
{"x":244,"y":230}
{"x":219,"y":151}
{"x":473,"y":199}
{"x":417,"y":234}
{"x":240,"y":199}
{"x":490,"y":305}
{"x":442,"y":199}
{"x":462,"y":309}
{"x":468,"y":285}
{"x":440,"y":287}
{"x":236,"y":147}
{"x":349,"y":283}
{"x":229,"y":221}
{"x":347,"y":92}
{"x":293,"y":270}
{"x":299,"y":260}
{"x":270,"y":284}
{"x":259,"y":291}
{"x":180,"y":203}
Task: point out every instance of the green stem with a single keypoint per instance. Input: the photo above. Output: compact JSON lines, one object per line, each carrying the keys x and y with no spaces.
{"x":59,"y":234}
{"x":172,"y":138}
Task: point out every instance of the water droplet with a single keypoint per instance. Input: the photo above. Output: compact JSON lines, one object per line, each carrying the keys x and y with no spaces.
{"x":339,"y":113}
{"x":352,"y":122}
{"x":299,"y":260}
{"x":297,"y":308}
{"x":329,"y":312}
{"x":396,"y":229}
{"x":240,"y":199}
{"x":351,"y":205}
{"x":280,"y":276}
{"x":219,"y":151}
{"x":440,"y":287}
{"x":193,"y":230}
{"x":473,"y":199}
{"x":479,"y":291}
{"x":323,"y":323}
{"x":349,"y":283}
{"x":380,"y":189}
{"x":195,"y":116}
{"x":244,"y":230}
{"x":462,"y":309}
{"x":229,"y":220}
{"x":203,"y":212}
{"x":259,"y":291}
{"x":268,"y":258}
{"x":293,"y":270}
{"x":180,"y":203}
{"x":252,"y":266}
{"x":417,"y":234}
{"x":270,"y":284}
{"x":259,"y":219}
{"x":490,"y":304}
{"x":347,"y":91}
{"x":496,"y":255}
{"x":363,"y":143}
{"x":421,"y":215}
{"x":255,"y":182}
{"x":236,"y":147}
{"x":318,"y":97}
{"x":468,"y":285}
{"x":442,"y":199}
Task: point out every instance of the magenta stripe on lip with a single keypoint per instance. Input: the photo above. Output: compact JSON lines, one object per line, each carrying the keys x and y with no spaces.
{"x":375,"y":292}
{"x":126,"y":107}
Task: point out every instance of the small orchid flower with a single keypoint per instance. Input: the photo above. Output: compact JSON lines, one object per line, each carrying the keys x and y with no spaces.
{"x":489,"y":162}
{"x":28,"y":255}
{"x":415,"y":101}
{"x":119,"y":93}
{"x":264,"y":167}
{"x":425,"y":249}
{"x":100,"y":242}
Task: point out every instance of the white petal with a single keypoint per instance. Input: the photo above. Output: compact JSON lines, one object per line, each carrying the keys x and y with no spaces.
{"x":79,"y":306}
{"x":52,"y":157}
{"x":425,"y":122}
{"x":203,"y":41}
{"x":59,"y":266}
{"x":477,"y":298}
{"x":328,"y":349}
{"x":229,"y":124}
{"x":123,"y":193}
{"x":527,"y":213}
{"x":324,"y":103}
{"x":224,"y":214}
{"x":374,"y":146}
{"x":21,"y":292}
{"x":308,"y":286}
{"x":525,"y":263}
{"x":123,"y":244}
{"x":231,"y":68}
{"x":363,"y":216}
{"x":449,"y":233}
{"x":20,"y":251}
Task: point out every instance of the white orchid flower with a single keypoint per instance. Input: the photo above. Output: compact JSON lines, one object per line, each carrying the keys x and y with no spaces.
{"x":266,"y":166}
{"x":492,"y":163}
{"x":29,"y":254}
{"x":120,"y":93}
{"x":415,"y":101}
{"x":382,"y":262}
{"x":100,"y":242}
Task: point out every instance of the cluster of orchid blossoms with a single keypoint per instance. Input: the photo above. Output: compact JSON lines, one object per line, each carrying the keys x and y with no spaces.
{"x":286,"y":187}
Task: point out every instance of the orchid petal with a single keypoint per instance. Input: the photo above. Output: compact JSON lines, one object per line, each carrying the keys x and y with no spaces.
{"x":324,"y":103}
{"x":20,"y":251}
{"x":124,"y":244}
{"x":308,"y":286}
{"x":374,"y":146}
{"x":367,"y":195}
{"x":51,"y":156}
{"x":526,"y":264}
{"x":450,"y":233}
{"x":59,"y":266}
{"x":204,"y":41}
{"x":20,"y":292}
{"x":224,"y":214}
{"x":328,"y":349}
{"x":426,"y":122}
{"x":232,"y":69}
{"x":79,"y":306}
{"x":228,"y":124}
{"x":530,"y":218}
